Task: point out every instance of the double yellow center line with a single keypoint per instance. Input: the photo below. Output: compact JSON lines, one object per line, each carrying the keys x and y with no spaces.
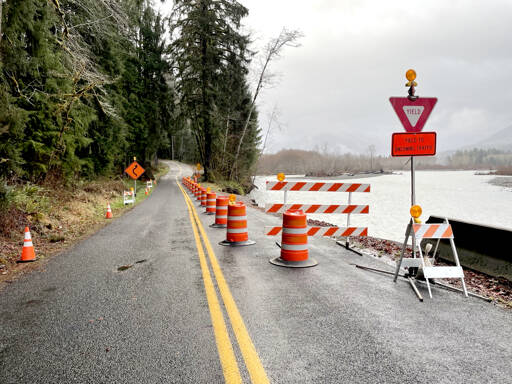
{"x":224,"y":346}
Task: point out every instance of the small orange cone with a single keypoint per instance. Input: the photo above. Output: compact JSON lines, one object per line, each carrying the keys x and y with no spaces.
{"x":146,"y":191}
{"x":109,"y":212}
{"x":27,"y":253}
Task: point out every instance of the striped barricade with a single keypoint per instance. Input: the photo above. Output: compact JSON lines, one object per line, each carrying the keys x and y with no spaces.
{"x":318,"y":209}
{"x":309,"y":186}
{"x":324,"y":231}
{"x":431,"y":231}
{"x":128,"y":197}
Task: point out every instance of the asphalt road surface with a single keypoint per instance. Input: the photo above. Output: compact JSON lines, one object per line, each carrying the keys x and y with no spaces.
{"x":191,"y":311}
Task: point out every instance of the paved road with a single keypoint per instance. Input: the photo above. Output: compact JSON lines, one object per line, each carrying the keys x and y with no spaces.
{"x":81,"y":320}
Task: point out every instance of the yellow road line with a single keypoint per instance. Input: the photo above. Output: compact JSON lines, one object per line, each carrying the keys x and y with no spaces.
{"x":249,"y":353}
{"x":224,"y":347}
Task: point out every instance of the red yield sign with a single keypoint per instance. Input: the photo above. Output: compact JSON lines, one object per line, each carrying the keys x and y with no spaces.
{"x":413,"y":144}
{"x":413,"y":114}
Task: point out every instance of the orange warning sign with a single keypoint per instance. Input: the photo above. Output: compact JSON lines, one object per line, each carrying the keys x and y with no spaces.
{"x":413,"y":144}
{"x":134,"y":170}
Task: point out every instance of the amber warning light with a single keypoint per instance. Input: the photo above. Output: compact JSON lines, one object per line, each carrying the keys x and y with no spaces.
{"x":413,"y":144}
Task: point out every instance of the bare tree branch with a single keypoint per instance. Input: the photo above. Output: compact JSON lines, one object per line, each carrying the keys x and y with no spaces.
{"x":272,"y":51}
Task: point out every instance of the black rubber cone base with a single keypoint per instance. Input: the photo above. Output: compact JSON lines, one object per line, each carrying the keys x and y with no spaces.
{"x":310,"y":262}
{"x":219,"y":225}
{"x":237,"y":243}
{"x":26,"y":261}
{"x":209,"y":213}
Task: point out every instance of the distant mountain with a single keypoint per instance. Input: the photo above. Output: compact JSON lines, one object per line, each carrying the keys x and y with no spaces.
{"x":499,"y":140}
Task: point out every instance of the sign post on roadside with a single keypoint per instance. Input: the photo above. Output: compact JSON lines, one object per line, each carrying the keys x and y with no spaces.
{"x":135,"y":170}
{"x":413,"y":112}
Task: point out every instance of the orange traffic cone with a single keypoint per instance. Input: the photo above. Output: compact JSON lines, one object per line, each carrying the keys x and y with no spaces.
{"x":146,"y":192}
{"x":109,"y":212}
{"x":27,"y":253}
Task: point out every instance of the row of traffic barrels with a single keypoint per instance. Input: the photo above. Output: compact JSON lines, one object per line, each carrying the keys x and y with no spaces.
{"x":229,"y":215}
{"x":233,"y":217}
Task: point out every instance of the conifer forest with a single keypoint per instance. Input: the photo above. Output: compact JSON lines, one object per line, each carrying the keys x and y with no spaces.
{"x":86,"y":85}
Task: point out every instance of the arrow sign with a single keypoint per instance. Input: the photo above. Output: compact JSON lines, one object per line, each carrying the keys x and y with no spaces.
{"x":413,"y":114}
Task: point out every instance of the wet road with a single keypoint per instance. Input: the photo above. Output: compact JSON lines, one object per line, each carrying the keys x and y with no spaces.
{"x":184,"y":313}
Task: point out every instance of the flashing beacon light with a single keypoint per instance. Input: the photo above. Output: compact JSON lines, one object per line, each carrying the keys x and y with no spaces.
{"x":198,"y":166}
{"x":208,"y":190}
{"x":232,"y":199}
{"x":134,"y":158}
{"x":131,"y":189}
{"x":416,"y":212}
{"x":411,"y":76}
{"x":281,"y":176}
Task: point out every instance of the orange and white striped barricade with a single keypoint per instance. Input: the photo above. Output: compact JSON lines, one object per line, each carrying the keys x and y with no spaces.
{"x":237,"y":233}
{"x":221,"y":212}
{"x":198,"y":193}
{"x":294,"y":242}
{"x":210,"y":203}
{"x":430,"y":231}
{"x":128,"y":197}
{"x":203,"y":197}
{"x":306,"y":186}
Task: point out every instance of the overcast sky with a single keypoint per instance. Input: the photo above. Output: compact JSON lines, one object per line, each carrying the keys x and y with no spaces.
{"x":334,"y":89}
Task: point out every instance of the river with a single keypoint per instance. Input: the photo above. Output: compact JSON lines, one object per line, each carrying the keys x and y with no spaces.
{"x":459,"y":195}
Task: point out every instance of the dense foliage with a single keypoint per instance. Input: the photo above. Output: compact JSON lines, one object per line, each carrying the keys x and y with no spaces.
{"x":87,"y":84}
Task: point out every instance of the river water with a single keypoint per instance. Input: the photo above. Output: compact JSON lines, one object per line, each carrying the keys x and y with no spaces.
{"x":459,"y":195}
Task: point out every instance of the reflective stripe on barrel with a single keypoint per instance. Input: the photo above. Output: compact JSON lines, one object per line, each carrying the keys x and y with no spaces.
{"x":221,"y":210}
{"x":203,"y":197}
{"x":210,"y":202}
{"x":237,"y":223}
{"x":294,"y":240}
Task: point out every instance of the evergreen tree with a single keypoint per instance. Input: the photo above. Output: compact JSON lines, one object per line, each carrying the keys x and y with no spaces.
{"x":206,"y":45}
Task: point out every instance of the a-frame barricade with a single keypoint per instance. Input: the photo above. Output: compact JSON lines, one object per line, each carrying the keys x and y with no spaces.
{"x":430,"y":231}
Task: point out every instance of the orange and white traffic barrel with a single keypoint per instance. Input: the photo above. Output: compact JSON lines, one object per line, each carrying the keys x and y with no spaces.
{"x":237,"y":234}
{"x":221,"y":212}
{"x":203,"y":197}
{"x":210,"y":203}
{"x":294,"y":241}
{"x":198,"y":193}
